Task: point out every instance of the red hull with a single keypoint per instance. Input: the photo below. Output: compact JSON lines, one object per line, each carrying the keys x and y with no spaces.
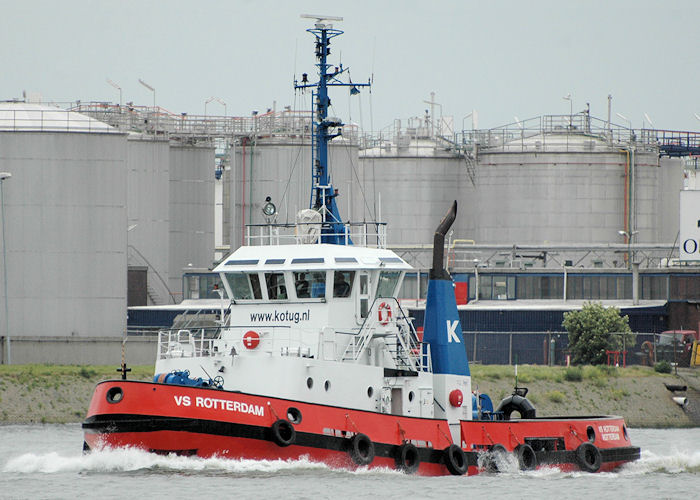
{"x":206,"y":422}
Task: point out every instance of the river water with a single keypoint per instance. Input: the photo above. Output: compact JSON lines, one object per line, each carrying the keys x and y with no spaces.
{"x":46,"y":461}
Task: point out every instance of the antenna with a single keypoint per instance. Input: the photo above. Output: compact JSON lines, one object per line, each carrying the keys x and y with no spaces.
{"x":649,"y":120}
{"x":325,"y":129}
{"x":320,"y":20}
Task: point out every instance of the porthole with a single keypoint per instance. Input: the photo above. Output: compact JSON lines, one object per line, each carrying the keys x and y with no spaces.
{"x":294,"y":415}
{"x":115,"y":394}
{"x":309,"y":382}
{"x":327,"y":385}
{"x":370,"y":392}
{"x":411,"y":396}
{"x":591,"y":433}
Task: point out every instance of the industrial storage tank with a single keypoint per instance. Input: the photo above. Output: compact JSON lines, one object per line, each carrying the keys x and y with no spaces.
{"x":546,"y":181}
{"x":411,"y":181}
{"x":191,"y":210}
{"x":65,"y":224}
{"x":148,"y":229}
{"x":279,"y":167}
{"x":564,"y":181}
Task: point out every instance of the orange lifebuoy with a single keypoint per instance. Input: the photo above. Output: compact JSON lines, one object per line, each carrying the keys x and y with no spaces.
{"x":384,"y":313}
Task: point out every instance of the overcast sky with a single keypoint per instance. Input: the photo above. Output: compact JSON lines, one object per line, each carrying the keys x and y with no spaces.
{"x":502,"y":58}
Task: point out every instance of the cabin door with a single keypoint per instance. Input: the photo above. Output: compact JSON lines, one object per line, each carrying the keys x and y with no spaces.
{"x":362,"y":307}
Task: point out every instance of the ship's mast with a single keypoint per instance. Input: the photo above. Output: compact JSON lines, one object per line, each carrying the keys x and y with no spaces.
{"x":324,"y":129}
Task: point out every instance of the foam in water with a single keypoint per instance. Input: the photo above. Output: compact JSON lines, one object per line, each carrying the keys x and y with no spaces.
{"x":132,"y":459}
{"x":678,"y":462}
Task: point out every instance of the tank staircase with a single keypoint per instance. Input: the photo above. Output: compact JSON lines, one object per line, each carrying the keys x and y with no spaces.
{"x":470,"y":164}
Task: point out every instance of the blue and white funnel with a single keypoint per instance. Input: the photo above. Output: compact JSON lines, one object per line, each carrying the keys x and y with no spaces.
{"x":442,"y":328}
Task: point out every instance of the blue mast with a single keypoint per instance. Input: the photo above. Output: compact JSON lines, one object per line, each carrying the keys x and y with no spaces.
{"x":324,"y":129}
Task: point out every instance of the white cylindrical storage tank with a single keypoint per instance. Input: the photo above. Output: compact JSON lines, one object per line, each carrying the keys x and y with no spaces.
{"x":149,"y":213}
{"x":581,"y":192}
{"x":191,"y":211}
{"x":65,"y":216}
{"x":413,"y":187}
{"x":280,"y":167}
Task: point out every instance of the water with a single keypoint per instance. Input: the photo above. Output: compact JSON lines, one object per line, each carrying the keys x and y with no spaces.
{"x":46,"y":461}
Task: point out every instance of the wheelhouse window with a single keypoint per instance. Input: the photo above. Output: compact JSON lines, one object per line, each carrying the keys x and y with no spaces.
{"x":244,"y":286}
{"x":310,"y":284}
{"x":342,"y":283}
{"x":276,"y":289}
{"x":387,"y":283}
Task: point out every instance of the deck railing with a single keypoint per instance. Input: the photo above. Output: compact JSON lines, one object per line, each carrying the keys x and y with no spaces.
{"x":365,"y":234}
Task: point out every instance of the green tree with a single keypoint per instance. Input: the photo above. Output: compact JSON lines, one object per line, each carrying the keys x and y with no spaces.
{"x":595,"y":329}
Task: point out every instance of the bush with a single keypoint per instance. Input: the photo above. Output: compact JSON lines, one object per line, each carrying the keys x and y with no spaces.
{"x":556,"y":396}
{"x":573,"y":374}
{"x":87,"y":373}
{"x":595,"y":329}
{"x":662,"y":367}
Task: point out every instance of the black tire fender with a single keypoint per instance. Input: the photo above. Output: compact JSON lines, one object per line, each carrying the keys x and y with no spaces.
{"x":361,"y":449}
{"x":516,"y":403}
{"x":527,"y":459}
{"x":495,"y":455}
{"x":455,"y":460}
{"x":283,"y":433}
{"x":407,"y":458}
{"x":588,"y":457}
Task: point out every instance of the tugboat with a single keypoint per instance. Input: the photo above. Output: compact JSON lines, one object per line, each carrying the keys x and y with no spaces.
{"x":316,"y":358}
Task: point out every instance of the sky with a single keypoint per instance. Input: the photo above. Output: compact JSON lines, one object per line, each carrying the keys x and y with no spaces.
{"x":504,"y":59}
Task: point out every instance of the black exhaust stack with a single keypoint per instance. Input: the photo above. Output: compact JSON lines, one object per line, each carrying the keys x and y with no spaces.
{"x":438,"y":271}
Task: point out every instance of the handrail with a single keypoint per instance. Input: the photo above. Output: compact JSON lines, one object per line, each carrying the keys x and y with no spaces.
{"x":365,"y":234}
{"x":409,"y":351}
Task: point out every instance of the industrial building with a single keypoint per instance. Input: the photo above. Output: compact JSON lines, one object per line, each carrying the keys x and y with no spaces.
{"x":552,"y":211}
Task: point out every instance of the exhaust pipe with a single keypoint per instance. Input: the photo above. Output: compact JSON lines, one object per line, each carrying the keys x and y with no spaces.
{"x":438,"y":270}
{"x":681,"y":401}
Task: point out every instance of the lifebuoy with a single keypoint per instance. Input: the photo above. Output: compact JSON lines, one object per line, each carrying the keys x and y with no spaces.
{"x":283,"y":433}
{"x":588,"y":457}
{"x":384,"y":313}
{"x":361,"y":449}
{"x":495,"y":458}
{"x":407,"y":459}
{"x":527,"y":460}
{"x":455,"y":460}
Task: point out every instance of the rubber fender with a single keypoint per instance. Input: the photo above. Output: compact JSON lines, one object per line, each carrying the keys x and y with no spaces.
{"x":527,"y":459}
{"x":516,"y":403}
{"x":588,"y":457}
{"x":455,"y":460}
{"x":496,"y":455}
{"x":407,"y":459}
{"x":361,"y":449}
{"x":283,"y":433}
